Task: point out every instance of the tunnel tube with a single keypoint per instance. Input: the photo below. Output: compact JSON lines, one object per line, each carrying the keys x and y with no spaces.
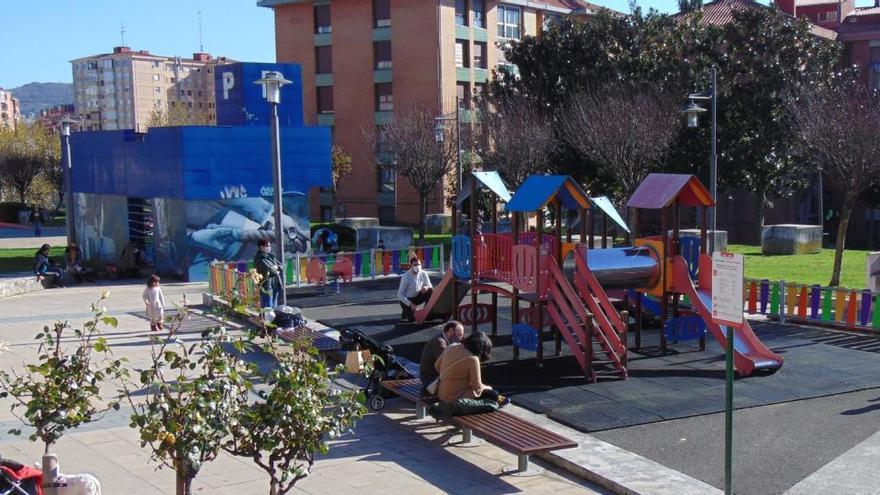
{"x":618,"y":268}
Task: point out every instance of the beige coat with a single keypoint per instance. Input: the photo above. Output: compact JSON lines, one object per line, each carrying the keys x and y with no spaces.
{"x":463,"y":379}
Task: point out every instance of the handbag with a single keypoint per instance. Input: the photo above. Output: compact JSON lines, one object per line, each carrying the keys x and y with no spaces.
{"x":435,"y":385}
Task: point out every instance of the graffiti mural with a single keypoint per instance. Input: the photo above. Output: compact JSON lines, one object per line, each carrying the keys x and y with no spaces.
{"x":101,"y":225}
{"x":229,"y":229}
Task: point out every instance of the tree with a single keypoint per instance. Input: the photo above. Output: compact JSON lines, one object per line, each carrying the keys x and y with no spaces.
{"x":177,"y":114}
{"x":415,"y":153}
{"x":837,"y":129}
{"x":293,"y":420}
{"x":26,"y":153}
{"x":62,"y":389}
{"x":514,"y":137}
{"x":194,"y":396}
{"x":624,"y":129}
{"x":689,"y":5}
{"x":341,"y":166}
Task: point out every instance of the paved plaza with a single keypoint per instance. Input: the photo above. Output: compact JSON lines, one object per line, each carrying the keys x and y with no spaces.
{"x":659,"y":432}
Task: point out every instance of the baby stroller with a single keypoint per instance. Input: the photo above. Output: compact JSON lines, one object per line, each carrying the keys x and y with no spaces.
{"x":18,"y":479}
{"x":388,"y":367}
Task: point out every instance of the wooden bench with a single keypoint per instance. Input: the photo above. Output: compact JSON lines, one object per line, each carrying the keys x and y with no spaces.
{"x":509,"y":432}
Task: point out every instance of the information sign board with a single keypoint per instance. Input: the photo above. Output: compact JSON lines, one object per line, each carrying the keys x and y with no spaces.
{"x":727,"y":289}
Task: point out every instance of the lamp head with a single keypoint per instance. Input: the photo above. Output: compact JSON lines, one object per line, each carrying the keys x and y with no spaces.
{"x":272,"y":82}
{"x":693,"y":111}
{"x":66,"y":122}
{"x":439,"y":132}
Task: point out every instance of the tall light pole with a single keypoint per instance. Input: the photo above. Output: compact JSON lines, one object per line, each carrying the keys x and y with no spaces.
{"x":272,"y":82}
{"x":440,"y":136}
{"x":693,"y":112}
{"x":66,"y":122}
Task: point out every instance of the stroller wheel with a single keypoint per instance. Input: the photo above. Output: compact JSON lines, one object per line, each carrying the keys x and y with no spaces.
{"x":377,"y":402}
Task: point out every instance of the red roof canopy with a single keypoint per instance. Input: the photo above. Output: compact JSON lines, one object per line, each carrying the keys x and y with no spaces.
{"x":661,"y":190}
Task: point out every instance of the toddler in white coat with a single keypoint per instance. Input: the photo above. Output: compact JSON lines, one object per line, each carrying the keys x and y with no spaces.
{"x":155,"y":302}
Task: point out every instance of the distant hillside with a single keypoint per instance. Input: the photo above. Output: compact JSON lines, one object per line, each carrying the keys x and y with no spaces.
{"x":35,"y":96}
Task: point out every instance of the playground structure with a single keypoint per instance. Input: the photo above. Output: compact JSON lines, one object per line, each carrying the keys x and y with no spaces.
{"x":582,"y":295}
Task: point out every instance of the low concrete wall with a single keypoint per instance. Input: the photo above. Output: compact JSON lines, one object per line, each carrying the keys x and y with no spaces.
{"x":392,"y":237}
{"x":791,"y":239}
{"x":438,"y":223}
{"x":19,"y":283}
{"x":720,"y":237}
{"x":359,"y":222}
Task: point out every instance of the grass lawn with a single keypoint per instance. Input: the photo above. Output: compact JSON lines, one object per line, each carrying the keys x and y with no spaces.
{"x":22,"y":260}
{"x":805,"y":268}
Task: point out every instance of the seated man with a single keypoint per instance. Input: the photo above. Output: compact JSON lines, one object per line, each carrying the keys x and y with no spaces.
{"x":415,"y":288}
{"x":453,"y":332}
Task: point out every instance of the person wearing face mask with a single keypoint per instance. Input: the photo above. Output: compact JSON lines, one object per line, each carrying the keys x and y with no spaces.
{"x":415,"y":288}
{"x":268,"y":266}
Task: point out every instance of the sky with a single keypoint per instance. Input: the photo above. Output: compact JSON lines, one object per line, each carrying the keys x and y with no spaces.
{"x":39,"y":39}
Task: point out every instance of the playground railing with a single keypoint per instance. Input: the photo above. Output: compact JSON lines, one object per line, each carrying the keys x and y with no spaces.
{"x":233,"y":279}
{"x":838,"y":307}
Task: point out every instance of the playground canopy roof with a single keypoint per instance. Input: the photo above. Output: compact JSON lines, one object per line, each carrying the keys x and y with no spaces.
{"x":661,"y":190}
{"x":538,"y":190}
{"x":491,"y":180}
{"x":604,"y":204}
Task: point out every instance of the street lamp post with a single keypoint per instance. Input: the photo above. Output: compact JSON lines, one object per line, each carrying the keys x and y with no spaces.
{"x":440,"y":136}
{"x":272,"y":83}
{"x":693,"y":112}
{"x":66,"y":122}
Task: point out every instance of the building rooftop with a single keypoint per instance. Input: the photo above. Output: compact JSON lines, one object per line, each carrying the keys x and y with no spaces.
{"x":720,"y":12}
{"x":859,"y":12}
{"x":811,"y":3}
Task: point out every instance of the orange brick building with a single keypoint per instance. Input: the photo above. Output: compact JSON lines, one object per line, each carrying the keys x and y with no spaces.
{"x":362,"y":60}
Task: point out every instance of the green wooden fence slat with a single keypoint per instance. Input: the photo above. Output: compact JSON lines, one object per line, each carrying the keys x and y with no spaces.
{"x":827,"y":306}
{"x":774,"y":299}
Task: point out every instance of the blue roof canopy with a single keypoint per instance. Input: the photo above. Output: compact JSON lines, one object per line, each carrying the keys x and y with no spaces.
{"x":538,"y":190}
{"x":491,"y":180}
{"x":604,"y":204}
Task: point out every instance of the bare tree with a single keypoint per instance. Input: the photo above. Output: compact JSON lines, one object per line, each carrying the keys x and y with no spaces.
{"x":408,"y":146}
{"x":838,"y":128}
{"x":514,"y":137}
{"x":625,"y":130}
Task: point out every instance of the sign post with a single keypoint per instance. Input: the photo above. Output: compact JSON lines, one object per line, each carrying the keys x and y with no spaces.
{"x":727,"y":310}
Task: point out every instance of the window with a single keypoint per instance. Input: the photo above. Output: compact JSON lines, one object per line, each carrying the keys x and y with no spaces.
{"x":326,"y":213}
{"x":462,"y":55}
{"x":322,"y":19}
{"x":386,"y":215}
{"x":551,"y":20}
{"x":382,"y":146}
{"x":830,"y":16}
{"x":381,"y":13}
{"x":461,"y":12}
{"x":479,"y":14}
{"x":463,"y":93}
{"x":480,"y":59}
{"x":325,"y":99}
{"x":385,"y":178}
{"x":384,"y":98}
{"x":508,"y":22}
{"x":157,"y":90}
{"x":156,"y":77}
{"x":479,"y":88}
{"x":382,"y":54}
{"x":323,"y":60}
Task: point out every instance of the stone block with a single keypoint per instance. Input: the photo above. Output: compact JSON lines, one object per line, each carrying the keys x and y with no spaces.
{"x":872,"y":271}
{"x":720,"y":237}
{"x":15,"y":284}
{"x":358,"y":222}
{"x":791,"y":239}
{"x":438,"y":223}
{"x":392,"y":237}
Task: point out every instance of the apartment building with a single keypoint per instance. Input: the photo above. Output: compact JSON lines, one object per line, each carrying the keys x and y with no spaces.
{"x":123,"y":89}
{"x":362,"y":60}
{"x":10,"y":112}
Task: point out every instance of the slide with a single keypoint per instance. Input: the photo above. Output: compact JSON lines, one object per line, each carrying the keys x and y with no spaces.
{"x":750,"y":353}
{"x":441,"y":303}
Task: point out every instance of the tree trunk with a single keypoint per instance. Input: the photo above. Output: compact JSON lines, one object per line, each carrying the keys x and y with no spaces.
{"x":184,"y":484}
{"x":423,"y":212}
{"x":759,"y":214}
{"x":21,"y":194}
{"x":839,"y":247}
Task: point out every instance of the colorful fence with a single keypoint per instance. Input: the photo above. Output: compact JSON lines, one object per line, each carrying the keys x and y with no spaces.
{"x":232,"y":279}
{"x":831,"y":306}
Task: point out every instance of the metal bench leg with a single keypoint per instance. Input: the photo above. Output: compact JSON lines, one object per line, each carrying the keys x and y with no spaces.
{"x":523,"y":468}
{"x":421,"y":410}
{"x":468,"y":440}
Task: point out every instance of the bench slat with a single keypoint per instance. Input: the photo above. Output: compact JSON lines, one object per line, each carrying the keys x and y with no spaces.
{"x":504,"y":429}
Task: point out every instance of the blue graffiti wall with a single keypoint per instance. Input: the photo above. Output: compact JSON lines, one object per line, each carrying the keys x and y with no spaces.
{"x":242,"y":102}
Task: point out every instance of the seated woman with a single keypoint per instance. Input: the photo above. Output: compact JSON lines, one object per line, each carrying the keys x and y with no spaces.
{"x":461,"y":388}
{"x":44,"y":268}
{"x":73,"y":262}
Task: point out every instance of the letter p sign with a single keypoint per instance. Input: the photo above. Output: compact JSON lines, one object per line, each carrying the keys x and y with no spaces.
{"x":228,"y":83}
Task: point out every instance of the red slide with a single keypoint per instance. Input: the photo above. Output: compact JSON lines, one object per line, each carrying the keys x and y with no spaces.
{"x":440,"y":305}
{"x":750,"y":353}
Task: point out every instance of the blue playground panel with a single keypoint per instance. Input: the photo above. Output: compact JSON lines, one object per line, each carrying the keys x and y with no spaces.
{"x":685,"y":328}
{"x":461,"y":256}
{"x":525,"y":337}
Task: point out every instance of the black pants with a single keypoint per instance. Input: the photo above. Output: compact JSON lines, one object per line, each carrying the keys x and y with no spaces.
{"x":421,"y":297}
{"x":490,"y":394}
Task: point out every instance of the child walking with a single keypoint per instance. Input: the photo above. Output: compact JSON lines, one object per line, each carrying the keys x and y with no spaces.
{"x":155,"y":302}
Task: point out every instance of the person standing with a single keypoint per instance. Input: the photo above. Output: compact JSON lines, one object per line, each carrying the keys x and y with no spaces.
{"x":155,"y":302}
{"x":37,"y":220}
{"x":269,"y":268}
{"x":453,"y":332}
{"x":415,"y":288}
